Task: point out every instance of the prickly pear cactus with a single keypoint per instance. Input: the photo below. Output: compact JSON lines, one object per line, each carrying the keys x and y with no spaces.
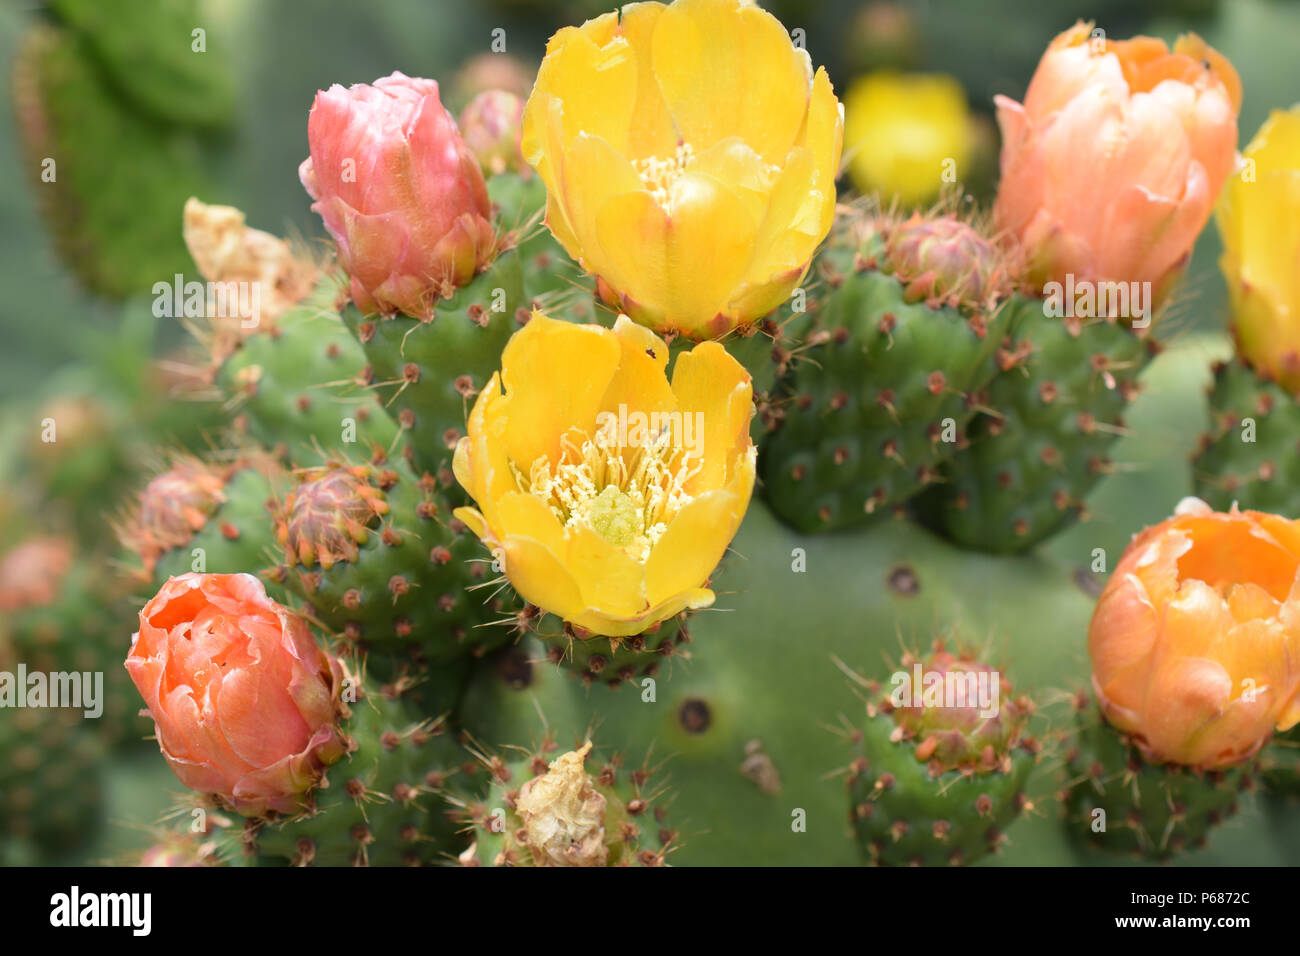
{"x":54,"y":768}
{"x":384,"y":804}
{"x":301,"y":386}
{"x":201,"y":516}
{"x":905,"y":339}
{"x":1251,"y":454}
{"x":1279,"y":766}
{"x":406,"y":704}
{"x":613,"y":662}
{"x":1045,"y":436}
{"x":552,"y":282}
{"x":136,"y":46}
{"x":58,"y":611}
{"x":428,"y":372}
{"x":937,"y":780}
{"x":1116,"y":801}
{"x":109,"y":224}
{"x":377,"y":554}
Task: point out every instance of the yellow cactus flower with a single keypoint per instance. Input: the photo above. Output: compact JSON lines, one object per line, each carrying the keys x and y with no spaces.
{"x":608,"y":493}
{"x":905,"y":132}
{"x":689,"y":154}
{"x":1259,"y":222}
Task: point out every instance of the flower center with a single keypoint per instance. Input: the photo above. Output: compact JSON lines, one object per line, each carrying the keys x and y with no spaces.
{"x":660,"y":175}
{"x":615,"y":517}
{"x":626,"y":494}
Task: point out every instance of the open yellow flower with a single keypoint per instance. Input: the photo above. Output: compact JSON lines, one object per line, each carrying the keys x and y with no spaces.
{"x":689,"y":154}
{"x":904,"y":132}
{"x":607,"y":493}
{"x":1259,"y":221}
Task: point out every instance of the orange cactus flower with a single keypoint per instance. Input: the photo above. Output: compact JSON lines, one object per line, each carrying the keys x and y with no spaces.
{"x":1195,"y":641}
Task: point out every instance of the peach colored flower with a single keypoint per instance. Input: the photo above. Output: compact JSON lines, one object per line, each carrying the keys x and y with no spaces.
{"x":1111,"y":166}
{"x":245,"y":703}
{"x":1195,"y":641}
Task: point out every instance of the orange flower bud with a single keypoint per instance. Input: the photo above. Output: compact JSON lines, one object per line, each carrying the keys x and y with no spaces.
{"x":1195,"y":641}
{"x":245,"y":702}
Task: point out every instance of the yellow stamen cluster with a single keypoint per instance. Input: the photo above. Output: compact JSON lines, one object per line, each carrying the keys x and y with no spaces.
{"x":660,"y":175}
{"x":626,"y":495}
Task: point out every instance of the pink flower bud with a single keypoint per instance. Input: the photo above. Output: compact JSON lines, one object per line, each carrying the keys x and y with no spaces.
{"x":492,"y":125}
{"x":399,"y":191}
{"x":245,"y":703}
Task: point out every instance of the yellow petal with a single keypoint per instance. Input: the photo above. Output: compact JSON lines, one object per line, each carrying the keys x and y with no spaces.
{"x":732,"y":162}
{"x":555,"y":374}
{"x":641,"y":383}
{"x":692,"y":546}
{"x":483,"y":461}
{"x":609,"y":580}
{"x":461,"y":465}
{"x":823,"y":134}
{"x":798,"y":217}
{"x":728,"y":68}
{"x":601,"y":623}
{"x":684,"y":262}
{"x":593,"y":73}
{"x":524,"y":515}
{"x":652,"y":132}
{"x":709,"y":381}
{"x":473,"y":519}
{"x":593,"y":173}
{"x":540,"y":578}
{"x":760,"y":298}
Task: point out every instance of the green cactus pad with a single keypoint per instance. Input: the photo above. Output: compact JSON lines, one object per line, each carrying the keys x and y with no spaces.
{"x":1250,"y":455}
{"x":428,"y":373}
{"x":381,"y":560}
{"x":880,"y":392}
{"x":552,"y":282}
{"x":149,"y":51}
{"x":1279,"y":766}
{"x":85,"y":628}
{"x":300,"y":386}
{"x":236,"y":535}
{"x":609,"y":661}
{"x":385,"y":803}
{"x":936,"y":785}
{"x":1147,"y":810}
{"x":1054,"y":414}
{"x":116,"y":224}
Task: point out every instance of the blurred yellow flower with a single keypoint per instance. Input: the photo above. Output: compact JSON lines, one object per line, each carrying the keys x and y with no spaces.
{"x":904,"y":132}
{"x":1259,"y":222}
{"x":689,"y":154}
{"x":607,"y":492}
